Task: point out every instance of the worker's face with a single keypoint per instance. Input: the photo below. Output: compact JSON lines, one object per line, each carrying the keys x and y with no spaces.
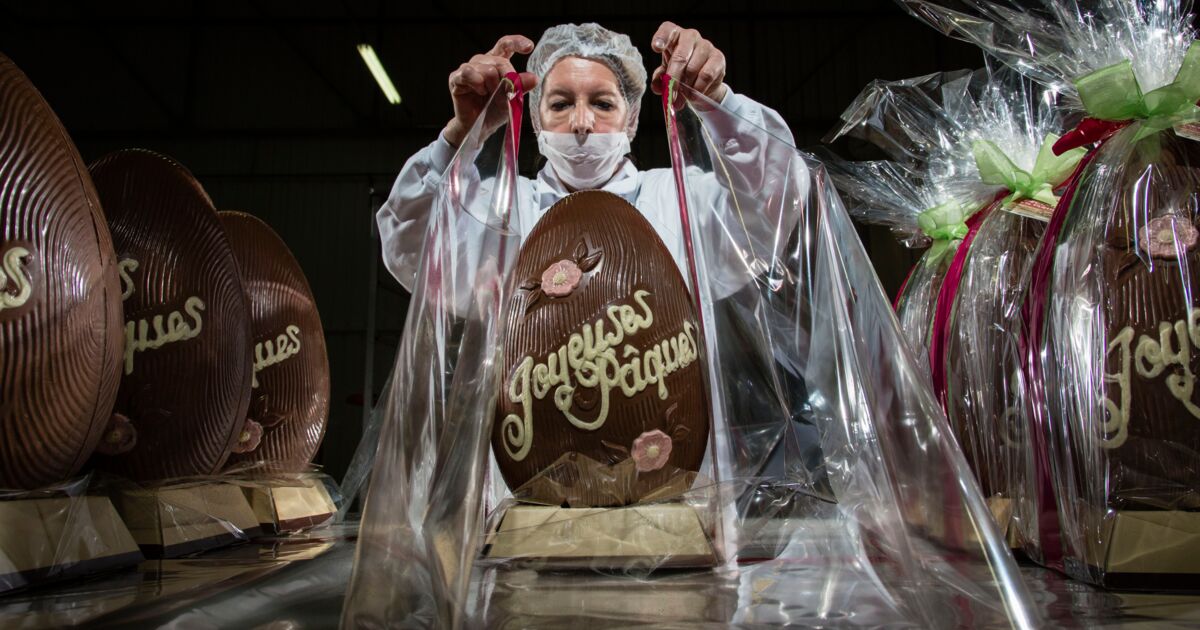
{"x":581,"y":96}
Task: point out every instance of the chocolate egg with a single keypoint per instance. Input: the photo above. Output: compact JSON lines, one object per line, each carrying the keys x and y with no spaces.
{"x":60,"y":305}
{"x":1150,"y":261}
{"x":603,"y":400}
{"x":291,"y":369}
{"x":187,"y":364}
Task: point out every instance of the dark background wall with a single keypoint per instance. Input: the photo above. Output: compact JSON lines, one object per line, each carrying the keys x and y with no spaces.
{"x":271,"y":107}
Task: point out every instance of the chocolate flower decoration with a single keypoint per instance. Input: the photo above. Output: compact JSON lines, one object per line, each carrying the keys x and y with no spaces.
{"x":651,"y":450}
{"x":119,"y":437}
{"x":1165,"y":237}
{"x":561,"y":278}
{"x":250,"y":438}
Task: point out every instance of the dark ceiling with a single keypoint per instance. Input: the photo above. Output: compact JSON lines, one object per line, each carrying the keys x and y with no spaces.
{"x":270,"y":68}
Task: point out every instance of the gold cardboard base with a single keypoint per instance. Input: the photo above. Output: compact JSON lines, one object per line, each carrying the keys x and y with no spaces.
{"x":172,"y":521}
{"x":289,"y":508}
{"x":1150,"y":542}
{"x":45,"y":539}
{"x":1002,"y":510}
{"x":667,"y":535}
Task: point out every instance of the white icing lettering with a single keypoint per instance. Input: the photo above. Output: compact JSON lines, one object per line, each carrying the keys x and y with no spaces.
{"x":589,"y":360}
{"x":1150,"y":358}
{"x":126,"y":268}
{"x":138,"y":336}
{"x":276,"y":351}
{"x":12,"y":270}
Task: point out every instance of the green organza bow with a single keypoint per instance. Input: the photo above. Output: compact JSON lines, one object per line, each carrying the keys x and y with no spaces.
{"x":1049,"y":170}
{"x":1113,"y":93}
{"x":946,"y":224}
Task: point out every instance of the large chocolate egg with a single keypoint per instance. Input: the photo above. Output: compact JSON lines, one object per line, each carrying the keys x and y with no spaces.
{"x":187,"y":365}
{"x":60,"y":305}
{"x":290,"y":403}
{"x":1150,"y":261}
{"x":603,"y":400}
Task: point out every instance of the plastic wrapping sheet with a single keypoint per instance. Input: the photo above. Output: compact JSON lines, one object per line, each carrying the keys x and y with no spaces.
{"x":426,"y":501}
{"x":827,"y":449}
{"x":929,"y":192}
{"x":1109,"y":317}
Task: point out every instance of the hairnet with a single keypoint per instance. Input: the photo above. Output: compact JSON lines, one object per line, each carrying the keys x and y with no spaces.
{"x":594,"y":42}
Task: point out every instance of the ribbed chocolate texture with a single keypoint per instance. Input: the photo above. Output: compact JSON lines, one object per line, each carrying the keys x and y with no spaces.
{"x":60,"y":306}
{"x":291,"y":394}
{"x":187,"y":397}
{"x":983,"y":378}
{"x":601,"y":252}
{"x":1158,"y":464}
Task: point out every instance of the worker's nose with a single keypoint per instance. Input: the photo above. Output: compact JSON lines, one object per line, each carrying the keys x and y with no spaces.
{"x":583,"y":121}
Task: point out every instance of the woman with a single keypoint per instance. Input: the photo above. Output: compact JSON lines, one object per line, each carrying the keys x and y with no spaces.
{"x":586,"y":85}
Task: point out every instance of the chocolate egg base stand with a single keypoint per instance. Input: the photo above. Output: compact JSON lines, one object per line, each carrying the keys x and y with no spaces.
{"x":286,"y":503}
{"x":178,"y":517}
{"x":1144,"y":550}
{"x":58,"y":533}
{"x":677,"y":530}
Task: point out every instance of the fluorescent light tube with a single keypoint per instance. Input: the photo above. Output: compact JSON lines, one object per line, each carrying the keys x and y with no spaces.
{"x":377,"y":71}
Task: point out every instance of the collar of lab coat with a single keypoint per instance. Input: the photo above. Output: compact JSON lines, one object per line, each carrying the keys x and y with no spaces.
{"x":549,"y":189}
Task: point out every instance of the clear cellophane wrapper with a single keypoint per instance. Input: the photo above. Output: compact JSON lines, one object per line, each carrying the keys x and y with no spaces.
{"x":827,"y":450}
{"x":982,"y":378}
{"x":1110,"y":336}
{"x":925,"y":126}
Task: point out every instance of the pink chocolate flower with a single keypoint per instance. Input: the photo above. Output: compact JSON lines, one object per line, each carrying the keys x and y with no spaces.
{"x":651,"y":450}
{"x":119,"y":437}
{"x":1164,"y":237}
{"x":560,"y":278}
{"x":249,"y":439}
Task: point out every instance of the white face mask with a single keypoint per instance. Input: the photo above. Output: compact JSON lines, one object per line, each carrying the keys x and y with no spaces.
{"x":584,"y":166}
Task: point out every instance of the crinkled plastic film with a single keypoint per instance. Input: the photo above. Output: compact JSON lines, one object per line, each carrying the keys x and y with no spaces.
{"x":929,"y":192}
{"x":902,"y":504}
{"x":425,"y":505}
{"x":828,"y":456}
{"x":984,"y":376}
{"x":1109,"y":317}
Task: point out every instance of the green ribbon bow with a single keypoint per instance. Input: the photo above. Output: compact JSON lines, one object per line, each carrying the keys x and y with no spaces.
{"x":946,"y":224}
{"x":1049,"y":170}
{"x":1113,"y":93}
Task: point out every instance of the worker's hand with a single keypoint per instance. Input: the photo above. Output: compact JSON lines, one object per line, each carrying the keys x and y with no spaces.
{"x":689,"y":59}
{"x":474,"y":81}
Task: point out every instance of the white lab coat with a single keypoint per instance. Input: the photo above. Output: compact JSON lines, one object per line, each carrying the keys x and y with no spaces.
{"x":403,"y":217}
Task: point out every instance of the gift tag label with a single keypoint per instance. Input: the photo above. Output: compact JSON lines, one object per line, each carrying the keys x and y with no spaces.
{"x":1031,"y":208}
{"x":1191,"y":130}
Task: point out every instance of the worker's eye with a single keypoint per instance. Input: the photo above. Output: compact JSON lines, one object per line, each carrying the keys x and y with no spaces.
{"x":558,"y":106}
{"x":606,"y":106}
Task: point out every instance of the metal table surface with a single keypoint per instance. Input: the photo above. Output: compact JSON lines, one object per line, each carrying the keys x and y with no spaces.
{"x":299,"y":582}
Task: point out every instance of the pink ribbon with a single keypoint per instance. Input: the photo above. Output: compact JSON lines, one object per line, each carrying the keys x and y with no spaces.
{"x":945,"y":301}
{"x":1029,"y":345}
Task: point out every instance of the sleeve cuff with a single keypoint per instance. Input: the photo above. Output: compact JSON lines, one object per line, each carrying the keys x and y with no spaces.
{"x":440,"y":153}
{"x":731,"y":102}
